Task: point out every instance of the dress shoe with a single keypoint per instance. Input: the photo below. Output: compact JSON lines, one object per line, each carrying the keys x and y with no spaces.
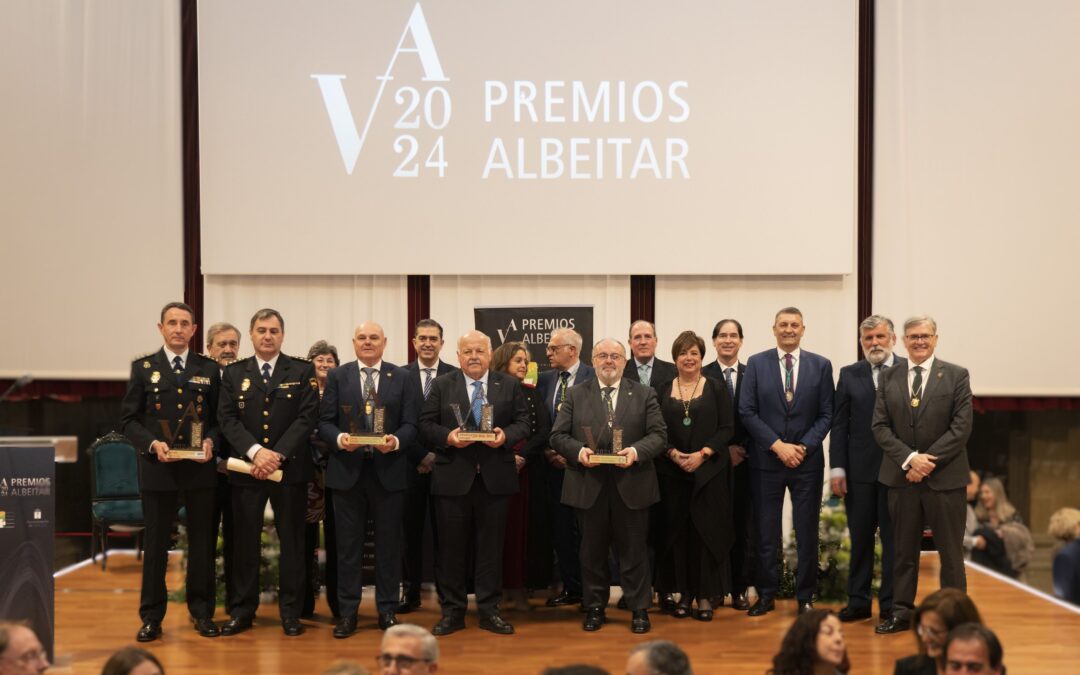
{"x":667,"y":603}
{"x":621,"y":604}
{"x":805,"y":607}
{"x":885,"y":614}
{"x":235,"y":625}
{"x":345,"y":627}
{"x":563,"y":599}
{"x":739,"y":601}
{"x":449,"y":623}
{"x":150,"y":631}
{"x":892,"y":625}
{"x":594,"y":619}
{"x":703,"y":614}
{"x":850,"y":613}
{"x":681,"y":611}
{"x":206,"y":627}
{"x":387,"y":619}
{"x":408,"y":605}
{"x":639,"y":621}
{"x":292,"y":627}
{"x":762,"y":607}
{"x":495,"y":624}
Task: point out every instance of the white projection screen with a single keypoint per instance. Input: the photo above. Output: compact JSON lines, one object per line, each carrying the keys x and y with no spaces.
{"x":409,"y":135}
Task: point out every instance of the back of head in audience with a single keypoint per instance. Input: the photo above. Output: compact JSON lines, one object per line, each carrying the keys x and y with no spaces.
{"x":575,"y":669}
{"x":133,"y":661}
{"x":816,"y":639}
{"x":939,"y":613}
{"x":1065,"y":524}
{"x":20,"y":650}
{"x":409,"y":648}
{"x":973,"y":648}
{"x":345,"y":667}
{"x":658,"y":657}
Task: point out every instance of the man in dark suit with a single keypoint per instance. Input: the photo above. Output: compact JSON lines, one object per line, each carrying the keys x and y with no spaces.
{"x":421,"y":373}
{"x":787,"y":409}
{"x":612,"y":501}
{"x":223,"y":345}
{"x":268,"y":409}
{"x":855,"y":458}
{"x":168,"y":392}
{"x":472,"y":481}
{"x":567,"y":370}
{"x":367,"y":478}
{"x":727,"y":337}
{"x":922,"y":421}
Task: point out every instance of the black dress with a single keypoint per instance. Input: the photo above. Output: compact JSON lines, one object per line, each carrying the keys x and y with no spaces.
{"x":697,"y":514}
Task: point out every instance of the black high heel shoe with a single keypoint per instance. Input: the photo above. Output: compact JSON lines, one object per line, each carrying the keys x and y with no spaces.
{"x":682,"y":611}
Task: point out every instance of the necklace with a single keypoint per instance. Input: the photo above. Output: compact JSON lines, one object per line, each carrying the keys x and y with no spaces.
{"x":686,"y":401}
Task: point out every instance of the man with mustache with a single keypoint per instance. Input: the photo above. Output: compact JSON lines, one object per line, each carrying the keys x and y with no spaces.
{"x":855,"y":458}
{"x":472,"y":480}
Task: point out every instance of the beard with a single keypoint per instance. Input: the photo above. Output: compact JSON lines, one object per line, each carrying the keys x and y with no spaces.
{"x":877,"y":356}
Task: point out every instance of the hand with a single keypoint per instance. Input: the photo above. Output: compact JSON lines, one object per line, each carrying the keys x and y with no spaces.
{"x":500,"y":439}
{"x":923,"y":463}
{"x":426,"y":464}
{"x":737,"y":453}
{"x":631,"y":456}
{"x":389,"y":444}
{"x":160,"y":448}
{"x":839,"y":486}
{"x":555,"y":459}
{"x":519,"y":463}
{"x":452,"y":440}
{"x":914,"y":476}
{"x":343,"y":441}
{"x":208,"y":451}
{"x":979,"y":542}
{"x":584,"y":456}
{"x":691,"y":462}
{"x":790,"y":454}
{"x":267,"y":461}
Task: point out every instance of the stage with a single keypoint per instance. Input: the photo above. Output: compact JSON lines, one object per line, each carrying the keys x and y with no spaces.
{"x":97,"y":612}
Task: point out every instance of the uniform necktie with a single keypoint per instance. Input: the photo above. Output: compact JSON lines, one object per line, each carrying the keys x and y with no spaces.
{"x":266,"y":373}
{"x":477,"y":401}
{"x":427,"y":381}
{"x":730,"y":384}
{"x":643,"y":373}
{"x":177,"y":365}
{"x":916,"y":384}
{"x":789,"y":377}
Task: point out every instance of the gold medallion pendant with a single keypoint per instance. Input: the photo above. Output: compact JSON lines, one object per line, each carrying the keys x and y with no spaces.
{"x":915,"y":402}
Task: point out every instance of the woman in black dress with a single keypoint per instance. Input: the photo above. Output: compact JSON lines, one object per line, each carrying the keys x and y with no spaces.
{"x":693,"y":477}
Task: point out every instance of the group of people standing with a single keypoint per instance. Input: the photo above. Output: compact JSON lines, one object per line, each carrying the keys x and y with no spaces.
{"x":672,"y":473}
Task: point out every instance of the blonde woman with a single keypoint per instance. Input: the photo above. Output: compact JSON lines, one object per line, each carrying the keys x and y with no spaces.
{"x":1065,"y":525}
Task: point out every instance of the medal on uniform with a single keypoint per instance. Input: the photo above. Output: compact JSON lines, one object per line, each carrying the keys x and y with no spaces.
{"x":245,"y":385}
{"x":145,"y":364}
{"x":155,"y":377}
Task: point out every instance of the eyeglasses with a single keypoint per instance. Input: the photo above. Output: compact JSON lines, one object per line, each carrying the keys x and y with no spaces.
{"x":604,"y":357}
{"x":555,"y":348}
{"x":927,"y":631}
{"x":403,"y":662}
{"x":919,"y":338}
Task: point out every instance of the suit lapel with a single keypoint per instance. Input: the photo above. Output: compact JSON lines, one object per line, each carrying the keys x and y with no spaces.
{"x":281,"y":370}
{"x":777,"y":377}
{"x":623,"y":403}
{"x":932,"y":377}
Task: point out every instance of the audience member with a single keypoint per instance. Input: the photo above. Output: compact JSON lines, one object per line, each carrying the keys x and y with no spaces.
{"x":575,"y":669}
{"x":971,"y":523}
{"x":133,"y":661}
{"x":21,"y":652}
{"x":814,"y":645}
{"x":345,"y":667}
{"x":1002,"y":542}
{"x":939,"y":613}
{"x":973,"y":648}
{"x":658,"y":657}
{"x":408,"y":648}
{"x":1065,"y":525}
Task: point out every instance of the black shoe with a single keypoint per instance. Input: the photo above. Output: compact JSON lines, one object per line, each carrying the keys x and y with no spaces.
{"x":805,"y":607}
{"x":681,"y":611}
{"x":594,"y":619}
{"x":703,"y":614}
{"x":850,"y":613}
{"x":448,"y":624}
{"x":892,"y":625}
{"x":639,"y":621}
{"x":150,"y":631}
{"x":885,"y":614}
{"x":762,"y":607}
{"x":235,"y":625}
{"x":667,"y":603}
{"x":345,"y":627}
{"x":292,"y":627}
{"x":740,"y":601}
{"x":495,"y":624}
{"x":387,"y":619}
{"x":621,"y":604}
{"x":206,"y":627}
{"x":408,"y":605}
{"x":563,"y":599}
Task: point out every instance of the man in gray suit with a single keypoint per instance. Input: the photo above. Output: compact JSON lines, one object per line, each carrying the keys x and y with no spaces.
{"x":612,"y":501}
{"x":922,"y":420}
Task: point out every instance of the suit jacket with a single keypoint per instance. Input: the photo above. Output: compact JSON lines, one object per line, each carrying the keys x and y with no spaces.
{"x":456,"y":468}
{"x":415,"y":385}
{"x":156,"y":399}
{"x":279,"y":415}
{"x":662,"y":374}
{"x":345,"y":388}
{"x":738,"y":436}
{"x":548,"y":384}
{"x":940,"y":425}
{"x":638,"y":413}
{"x":852,"y":446}
{"x":768,"y":417}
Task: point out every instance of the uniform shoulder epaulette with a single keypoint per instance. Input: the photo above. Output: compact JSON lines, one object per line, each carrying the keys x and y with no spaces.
{"x":143,"y":357}
{"x":298,"y":358}
{"x":204,"y":357}
{"x":239,"y":361}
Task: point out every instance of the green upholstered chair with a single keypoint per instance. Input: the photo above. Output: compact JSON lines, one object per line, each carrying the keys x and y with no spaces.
{"x":115,"y":502}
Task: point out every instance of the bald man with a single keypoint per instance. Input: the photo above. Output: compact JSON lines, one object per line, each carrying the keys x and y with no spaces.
{"x":472,"y":481}
{"x":368,"y":478}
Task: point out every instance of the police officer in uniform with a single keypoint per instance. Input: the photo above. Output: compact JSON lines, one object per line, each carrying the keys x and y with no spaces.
{"x":171,"y":394}
{"x":269,"y":404}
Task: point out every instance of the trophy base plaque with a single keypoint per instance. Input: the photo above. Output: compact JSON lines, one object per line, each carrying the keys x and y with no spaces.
{"x":366,"y":439}
{"x":185,"y":453}
{"x":477,"y":436}
{"x":608,"y":459}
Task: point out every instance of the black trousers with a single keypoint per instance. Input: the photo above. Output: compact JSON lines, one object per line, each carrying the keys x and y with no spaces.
{"x":289,"y":502}
{"x":311,"y":545}
{"x":867,"y":506}
{"x":565,"y":537}
{"x":610,"y":523}
{"x":744,"y":549}
{"x":768,"y":490}
{"x":351,"y":509}
{"x":223,"y":519}
{"x":419,"y":505}
{"x":159,"y":510}
{"x":912,"y":507}
{"x":480,"y":517}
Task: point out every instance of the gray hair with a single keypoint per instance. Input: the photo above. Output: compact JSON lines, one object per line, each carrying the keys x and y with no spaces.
{"x":664,"y":658}
{"x":875,"y":320}
{"x":921,"y":318}
{"x":429,"y":646}
{"x":220,"y":327}
{"x":788,"y":310}
{"x":570,"y":335}
{"x":610,"y":339}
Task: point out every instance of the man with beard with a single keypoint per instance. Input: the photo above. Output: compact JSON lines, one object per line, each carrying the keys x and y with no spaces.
{"x":855,"y":458}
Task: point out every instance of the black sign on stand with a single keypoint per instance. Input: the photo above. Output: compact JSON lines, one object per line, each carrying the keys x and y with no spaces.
{"x":533,"y":325}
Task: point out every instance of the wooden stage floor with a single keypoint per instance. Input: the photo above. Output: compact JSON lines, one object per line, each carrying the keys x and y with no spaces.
{"x":97,"y":613}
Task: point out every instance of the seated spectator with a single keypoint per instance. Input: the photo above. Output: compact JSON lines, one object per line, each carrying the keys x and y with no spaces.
{"x":575,"y":669}
{"x":1002,"y":542}
{"x":813,"y":644}
{"x":971,"y":523}
{"x":1065,"y":525}
{"x":658,"y":657}
{"x":20,"y":650}
{"x":973,"y":648}
{"x":345,"y":667}
{"x":939,"y":613}
{"x":408,"y":648}
{"x":133,"y":661}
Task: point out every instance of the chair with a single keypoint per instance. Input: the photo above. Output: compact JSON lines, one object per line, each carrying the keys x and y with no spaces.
{"x":115,"y":502}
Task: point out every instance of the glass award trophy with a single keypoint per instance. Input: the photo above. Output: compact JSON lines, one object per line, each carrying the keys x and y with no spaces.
{"x":377,"y":413}
{"x":605,"y":456}
{"x":485,"y":433}
{"x":193,"y":449}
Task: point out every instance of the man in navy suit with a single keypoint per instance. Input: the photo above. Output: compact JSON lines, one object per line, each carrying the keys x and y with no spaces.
{"x":564,"y":355}
{"x":787,"y":409}
{"x":855,"y":458}
{"x":367,"y":478}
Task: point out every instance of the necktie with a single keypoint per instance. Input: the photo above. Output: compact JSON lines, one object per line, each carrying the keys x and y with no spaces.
{"x":369,"y":382}
{"x":266,"y":373}
{"x":730,"y":384}
{"x":477,"y":401}
{"x":916,"y":384}
{"x":560,"y":396}
{"x":643,"y":373}
{"x":177,"y":365}
{"x":607,"y":403}
{"x":427,"y":381}
{"x":877,"y":376}
{"x":789,"y":376}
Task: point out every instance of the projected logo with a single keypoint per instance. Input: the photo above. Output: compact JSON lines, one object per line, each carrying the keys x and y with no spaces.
{"x":428,"y":109}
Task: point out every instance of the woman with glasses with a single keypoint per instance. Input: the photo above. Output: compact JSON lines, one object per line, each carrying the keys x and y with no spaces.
{"x":939,"y":613}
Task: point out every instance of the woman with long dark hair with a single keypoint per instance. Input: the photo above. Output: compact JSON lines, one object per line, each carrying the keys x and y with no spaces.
{"x":814,"y":645}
